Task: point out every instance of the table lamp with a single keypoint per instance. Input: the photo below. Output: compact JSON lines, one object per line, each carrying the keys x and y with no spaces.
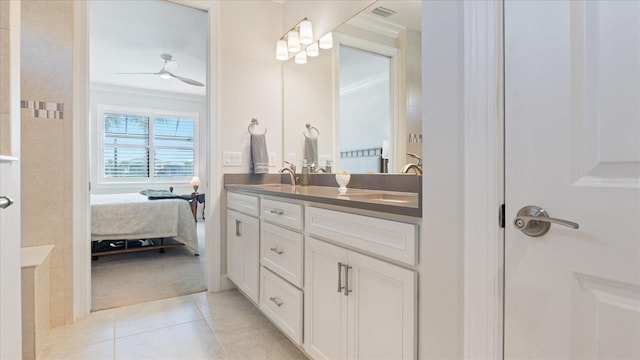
{"x":195,"y":182}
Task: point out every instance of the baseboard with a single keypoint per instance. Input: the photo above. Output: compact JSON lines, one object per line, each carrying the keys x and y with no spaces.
{"x":226,"y":283}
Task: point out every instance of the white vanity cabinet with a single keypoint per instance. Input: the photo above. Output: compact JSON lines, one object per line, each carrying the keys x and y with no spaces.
{"x":357,"y":306}
{"x":281,"y":257}
{"x":243,"y":243}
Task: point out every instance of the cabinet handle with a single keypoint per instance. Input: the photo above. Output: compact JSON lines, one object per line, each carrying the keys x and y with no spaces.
{"x":346,"y":280}
{"x":340,"y":287}
{"x":238,"y":222}
{"x":276,"y":301}
{"x":276,"y":211}
{"x":276,"y":250}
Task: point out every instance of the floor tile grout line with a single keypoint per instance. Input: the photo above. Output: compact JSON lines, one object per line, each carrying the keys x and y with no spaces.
{"x":156,"y":329}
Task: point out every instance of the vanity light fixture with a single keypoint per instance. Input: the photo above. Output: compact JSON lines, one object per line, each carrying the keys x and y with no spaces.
{"x":298,"y":42}
{"x":326,"y":42}
{"x":301,"y":57}
{"x":306,"y":32}
{"x":313,"y":49}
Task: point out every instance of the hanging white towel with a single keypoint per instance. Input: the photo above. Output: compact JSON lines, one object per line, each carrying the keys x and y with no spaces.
{"x":311,"y":149}
{"x":259,"y":154}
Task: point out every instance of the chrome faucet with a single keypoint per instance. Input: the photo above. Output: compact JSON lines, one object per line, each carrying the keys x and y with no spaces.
{"x":417,"y":168}
{"x":291,"y":170}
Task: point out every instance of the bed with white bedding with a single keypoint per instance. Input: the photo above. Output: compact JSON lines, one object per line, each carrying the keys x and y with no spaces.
{"x":133,"y":216}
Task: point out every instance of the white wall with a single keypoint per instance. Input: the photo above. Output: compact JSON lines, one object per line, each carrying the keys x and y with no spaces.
{"x":324,"y":15}
{"x":141,"y":98}
{"x":251,"y":78}
{"x":441,"y":281}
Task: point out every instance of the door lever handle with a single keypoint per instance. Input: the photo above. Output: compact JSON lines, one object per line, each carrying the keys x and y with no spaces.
{"x":535,"y":221}
{"x":5,"y":202}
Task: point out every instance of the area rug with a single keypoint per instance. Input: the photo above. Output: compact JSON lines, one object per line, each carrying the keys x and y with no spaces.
{"x":126,"y":279}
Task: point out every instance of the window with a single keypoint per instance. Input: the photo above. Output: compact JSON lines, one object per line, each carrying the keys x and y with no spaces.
{"x":147,"y":146}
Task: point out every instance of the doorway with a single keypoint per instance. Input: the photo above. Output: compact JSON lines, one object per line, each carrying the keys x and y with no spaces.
{"x":149,"y":131}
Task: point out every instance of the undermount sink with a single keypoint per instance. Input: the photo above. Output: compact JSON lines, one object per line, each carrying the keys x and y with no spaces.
{"x":393,"y":198}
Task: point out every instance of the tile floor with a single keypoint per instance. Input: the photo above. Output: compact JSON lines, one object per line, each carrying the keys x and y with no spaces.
{"x":221,"y":325}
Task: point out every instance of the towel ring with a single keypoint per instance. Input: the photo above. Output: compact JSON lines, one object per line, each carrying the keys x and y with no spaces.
{"x":309,"y":128}
{"x":254,"y":122}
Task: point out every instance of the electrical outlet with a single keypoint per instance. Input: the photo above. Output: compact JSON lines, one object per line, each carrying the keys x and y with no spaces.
{"x":272,"y":160}
{"x":231,"y":158}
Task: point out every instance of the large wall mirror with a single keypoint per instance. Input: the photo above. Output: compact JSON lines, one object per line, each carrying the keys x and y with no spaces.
{"x":360,"y":101}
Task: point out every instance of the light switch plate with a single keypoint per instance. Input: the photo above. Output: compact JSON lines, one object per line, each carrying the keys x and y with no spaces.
{"x":231,"y":158}
{"x":272,"y":160}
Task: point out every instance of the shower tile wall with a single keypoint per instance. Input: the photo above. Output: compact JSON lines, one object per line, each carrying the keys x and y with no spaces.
{"x":46,"y":141}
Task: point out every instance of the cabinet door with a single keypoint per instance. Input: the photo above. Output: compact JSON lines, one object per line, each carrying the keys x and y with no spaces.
{"x":250,"y":230}
{"x":234,"y":248}
{"x":243,"y":252}
{"x":382,"y":309}
{"x":325,"y":308}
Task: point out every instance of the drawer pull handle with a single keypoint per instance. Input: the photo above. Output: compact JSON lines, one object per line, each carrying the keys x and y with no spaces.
{"x":276,"y":301}
{"x":346,"y":280}
{"x":276,"y":250}
{"x":340,"y":287}
{"x":238,"y":222}
{"x":276,"y":211}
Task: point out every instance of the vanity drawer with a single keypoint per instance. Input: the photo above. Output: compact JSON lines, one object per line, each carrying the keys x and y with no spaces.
{"x":245,"y":204}
{"x":282,"y":213}
{"x":282,"y":251}
{"x":282,"y":303}
{"x":386,"y":238}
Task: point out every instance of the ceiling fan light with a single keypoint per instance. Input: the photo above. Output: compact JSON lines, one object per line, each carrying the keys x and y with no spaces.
{"x":313,"y":50}
{"x":293,"y":41}
{"x":165,"y":75}
{"x":306,"y":32}
{"x":326,"y":42}
{"x":301,"y":58}
{"x":281,"y":50}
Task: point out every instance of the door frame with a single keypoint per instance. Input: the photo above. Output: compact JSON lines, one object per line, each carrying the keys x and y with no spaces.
{"x":484,"y":179}
{"x":81,"y":150}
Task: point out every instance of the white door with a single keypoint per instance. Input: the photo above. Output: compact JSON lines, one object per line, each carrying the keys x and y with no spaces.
{"x":325,"y":306}
{"x":572,"y":128}
{"x":10,"y":313}
{"x":243,"y":253}
{"x":234,"y":248}
{"x":382,"y":309}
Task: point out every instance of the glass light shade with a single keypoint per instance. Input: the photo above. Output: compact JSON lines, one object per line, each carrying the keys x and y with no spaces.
{"x":165,"y":75}
{"x":281,"y":50}
{"x":306,"y":32}
{"x":313,"y":50}
{"x":195,"y":181}
{"x":301,"y":58}
{"x":326,"y":42}
{"x":293,"y":41}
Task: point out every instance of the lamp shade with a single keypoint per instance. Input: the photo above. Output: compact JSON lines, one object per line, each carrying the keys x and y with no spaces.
{"x":306,"y":32}
{"x":301,"y":58}
{"x":281,"y":50}
{"x":195,"y":181}
{"x":293,"y":41}
{"x":326,"y":42}
{"x":313,"y":50}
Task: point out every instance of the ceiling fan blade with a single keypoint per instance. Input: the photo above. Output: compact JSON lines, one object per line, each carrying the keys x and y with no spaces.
{"x":139,"y":73}
{"x":186,"y":80}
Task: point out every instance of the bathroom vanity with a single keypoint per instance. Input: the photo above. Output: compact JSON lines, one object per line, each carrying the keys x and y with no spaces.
{"x":337,"y":273}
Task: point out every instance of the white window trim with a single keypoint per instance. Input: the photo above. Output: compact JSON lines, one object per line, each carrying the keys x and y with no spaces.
{"x":103,"y":183}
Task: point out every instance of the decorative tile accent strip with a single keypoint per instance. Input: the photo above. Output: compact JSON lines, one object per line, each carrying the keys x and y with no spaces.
{"x":43,"y":109}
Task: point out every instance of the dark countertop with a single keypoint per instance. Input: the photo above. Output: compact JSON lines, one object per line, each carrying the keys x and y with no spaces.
{"x":394,"y":202}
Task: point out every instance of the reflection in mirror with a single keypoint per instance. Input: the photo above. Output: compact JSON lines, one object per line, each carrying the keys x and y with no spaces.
{"x":365,"y":109}
{"x":312,"y":93}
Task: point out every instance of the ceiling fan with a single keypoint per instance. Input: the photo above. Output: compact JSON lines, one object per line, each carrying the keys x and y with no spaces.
{"x":166,"y":71}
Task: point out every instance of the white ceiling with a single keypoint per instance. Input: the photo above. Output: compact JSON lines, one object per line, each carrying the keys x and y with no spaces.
{"x":408,"y":12}
{"x":129,"y":36}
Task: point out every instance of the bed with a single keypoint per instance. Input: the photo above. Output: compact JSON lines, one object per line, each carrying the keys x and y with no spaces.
{"x":133,"y":216}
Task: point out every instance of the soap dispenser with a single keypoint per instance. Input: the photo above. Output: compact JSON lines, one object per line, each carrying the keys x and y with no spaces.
{"x":305,"y":173}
